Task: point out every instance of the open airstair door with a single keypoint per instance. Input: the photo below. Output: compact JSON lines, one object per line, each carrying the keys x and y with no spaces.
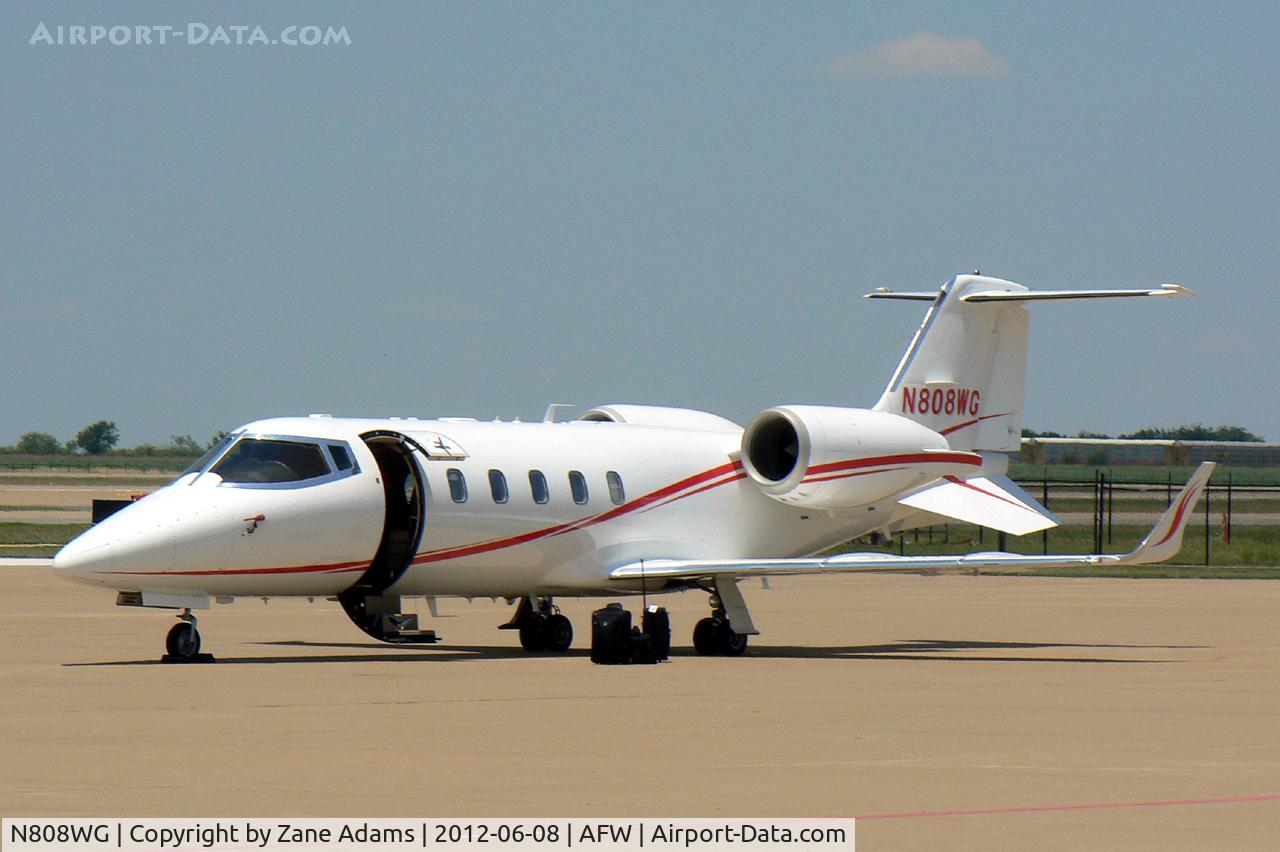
{"x":404,"y":488}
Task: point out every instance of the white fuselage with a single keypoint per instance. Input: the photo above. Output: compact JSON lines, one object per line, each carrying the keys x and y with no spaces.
{"x":684,"y":495}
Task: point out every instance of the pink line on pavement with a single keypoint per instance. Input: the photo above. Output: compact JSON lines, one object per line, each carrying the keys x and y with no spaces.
{"x":1031,"y":809}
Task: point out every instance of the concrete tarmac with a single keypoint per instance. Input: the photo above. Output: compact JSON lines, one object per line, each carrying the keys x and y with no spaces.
{"x":950,"y":712}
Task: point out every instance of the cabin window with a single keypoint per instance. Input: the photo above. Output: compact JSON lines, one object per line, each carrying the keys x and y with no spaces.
{"x":457,"y":485}
{"x":498,"y":486}
{"x":538,"y":487}
{"x":266,"y":460}
{"x":578,"y":486}
{"x":616,"y":492}
{"x":341,"y":458}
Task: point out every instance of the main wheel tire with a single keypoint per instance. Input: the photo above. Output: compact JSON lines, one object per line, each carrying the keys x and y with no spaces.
{"x":183,"y":641}
{"x":557,"y":634}
{"x":732,"y":644}
{"x":532,"y":637}
{"x":706,"y":637}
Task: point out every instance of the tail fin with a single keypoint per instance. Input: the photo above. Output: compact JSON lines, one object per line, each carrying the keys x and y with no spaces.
{"x":964,"y":373}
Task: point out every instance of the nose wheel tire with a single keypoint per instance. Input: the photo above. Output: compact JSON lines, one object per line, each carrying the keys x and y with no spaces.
{"x":183,"y":641}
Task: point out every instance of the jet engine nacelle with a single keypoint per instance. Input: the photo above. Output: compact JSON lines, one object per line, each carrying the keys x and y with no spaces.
{"x":822,"y":457}
{"x":660,"y":415}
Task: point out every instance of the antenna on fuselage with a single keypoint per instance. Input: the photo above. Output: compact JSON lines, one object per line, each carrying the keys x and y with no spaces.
{"x":644,"y":590}
{"x":553,"y":409}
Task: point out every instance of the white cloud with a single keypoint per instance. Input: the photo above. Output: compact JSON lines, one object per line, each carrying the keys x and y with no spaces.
{"x":921,"y":55}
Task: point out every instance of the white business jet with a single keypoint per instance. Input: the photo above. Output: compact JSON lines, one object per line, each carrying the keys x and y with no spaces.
{"x":626,"y":499}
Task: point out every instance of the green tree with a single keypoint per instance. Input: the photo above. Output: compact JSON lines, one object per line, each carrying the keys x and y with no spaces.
{"x":39,"y":444}
{"x":1194,"y":432}
{"x":183,"y":445}
{"x":98,"y":438}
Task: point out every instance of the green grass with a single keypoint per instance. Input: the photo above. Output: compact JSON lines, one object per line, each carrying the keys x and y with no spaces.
{"x":1155,"y":505}
{"x":1253,"y":550}
{"x":125,"y":481}
{"x":1142,"y":473}
{"x":36,"y":539}
{"x":68,"y":461}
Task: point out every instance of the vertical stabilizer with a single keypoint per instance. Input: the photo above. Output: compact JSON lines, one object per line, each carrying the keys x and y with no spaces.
{"x":963,"y":374}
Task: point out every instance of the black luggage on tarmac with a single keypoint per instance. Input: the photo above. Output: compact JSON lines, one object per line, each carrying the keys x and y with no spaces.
{"x":611,"y":635}
{"x":657,"y":632}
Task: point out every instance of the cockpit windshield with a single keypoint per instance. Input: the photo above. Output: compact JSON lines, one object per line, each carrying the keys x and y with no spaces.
{"x":254,"y":460}
{"x":208,"y":455}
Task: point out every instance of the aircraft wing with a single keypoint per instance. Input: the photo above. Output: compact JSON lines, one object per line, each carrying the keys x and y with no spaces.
{"x":996,"y":502}
{"x":1163,"y":542}
{"x":25,"y":562}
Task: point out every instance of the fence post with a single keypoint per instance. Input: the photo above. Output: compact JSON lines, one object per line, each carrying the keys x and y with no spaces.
{"x":1044,"y":501}
{"x":1226,"y":530}
{"x":1099,"y":506}
{"x":1111,"y":507}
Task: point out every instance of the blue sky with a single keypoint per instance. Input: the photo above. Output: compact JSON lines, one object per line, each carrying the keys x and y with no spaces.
{"x":477,"y":209}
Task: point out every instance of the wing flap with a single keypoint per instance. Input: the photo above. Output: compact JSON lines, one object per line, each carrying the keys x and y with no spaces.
{"x":988,"y":501}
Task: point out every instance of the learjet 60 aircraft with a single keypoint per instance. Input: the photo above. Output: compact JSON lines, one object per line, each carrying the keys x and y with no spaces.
{"x":627,"y":499}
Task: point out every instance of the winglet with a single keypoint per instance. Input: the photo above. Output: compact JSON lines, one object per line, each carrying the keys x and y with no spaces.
{"x":1165,"y":539}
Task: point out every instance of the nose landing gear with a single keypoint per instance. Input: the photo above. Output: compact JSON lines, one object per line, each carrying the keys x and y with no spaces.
{"x":183,"y":642}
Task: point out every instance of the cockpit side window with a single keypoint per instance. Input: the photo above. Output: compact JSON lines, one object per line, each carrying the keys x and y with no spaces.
{"x":341,"y":457}
{"x":269,"y":460}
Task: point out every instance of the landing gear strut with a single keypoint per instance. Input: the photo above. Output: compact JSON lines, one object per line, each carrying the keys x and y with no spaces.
{"x":183,"y":641}
{"x":541,"y":626}
{"x":713,"y":636}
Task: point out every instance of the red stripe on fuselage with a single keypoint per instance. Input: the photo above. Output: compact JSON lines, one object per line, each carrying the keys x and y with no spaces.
{"x":591,"y":520}
{"x":337,"y":568}
{"x":833,"y":477}
{"x":741,"y":474}
{"x":730,"y":472}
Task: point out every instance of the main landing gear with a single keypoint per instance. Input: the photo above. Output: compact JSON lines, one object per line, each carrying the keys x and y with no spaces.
{"x":713,"y":636}
{"x":182,"y":644}
{"x":541,"y":626}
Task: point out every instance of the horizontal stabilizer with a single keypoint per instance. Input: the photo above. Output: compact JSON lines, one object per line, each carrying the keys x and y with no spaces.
{"x":1030,"y":295}
{"x":995,"y":502}
{"x":1048,"y":295}
{"x":1163,"y":542}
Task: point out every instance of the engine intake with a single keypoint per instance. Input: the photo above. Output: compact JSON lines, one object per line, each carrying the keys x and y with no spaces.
{"x":823,"y":457}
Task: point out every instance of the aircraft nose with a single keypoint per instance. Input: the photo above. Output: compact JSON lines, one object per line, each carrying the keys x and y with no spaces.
{"x":84,"y":557}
